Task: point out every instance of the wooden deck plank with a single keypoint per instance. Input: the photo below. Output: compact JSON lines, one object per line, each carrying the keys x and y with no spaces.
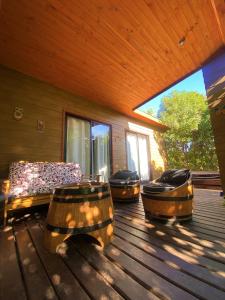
{"x":37,"y":281}
{"x":184,"y":232}
{"x":178,"y":260}
{"x":209,"y":215}
{"x":146,"y":260}
{"x":184,"y":281}
{"x":93,"y":283}
{"x":177,"y":235}
{"x":144,"y":275}
{"x":186,"y":249}
{"x":9,"y":268}
{"x":61,"y":277}
{"x":113,"y":274}
{"x":215,"y":224}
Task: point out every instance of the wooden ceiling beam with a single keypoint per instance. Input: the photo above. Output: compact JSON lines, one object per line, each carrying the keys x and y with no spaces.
{"x":219,"y":10}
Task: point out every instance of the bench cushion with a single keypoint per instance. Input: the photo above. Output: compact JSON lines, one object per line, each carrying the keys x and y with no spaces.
{"x":28,"y":179}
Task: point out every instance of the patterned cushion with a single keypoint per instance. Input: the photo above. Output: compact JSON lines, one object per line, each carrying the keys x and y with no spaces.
{"x":27,"y":179}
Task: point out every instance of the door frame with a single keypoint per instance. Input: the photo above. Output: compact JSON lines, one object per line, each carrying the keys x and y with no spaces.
{"x":148,"y":150}
{"x":64,"y":137}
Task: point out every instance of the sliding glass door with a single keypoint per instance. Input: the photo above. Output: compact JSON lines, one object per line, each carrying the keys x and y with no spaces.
{"x":138,"y":154}
{"x":78,"y":145}
{"x":100,"y":134}
{"x":88,"y":143}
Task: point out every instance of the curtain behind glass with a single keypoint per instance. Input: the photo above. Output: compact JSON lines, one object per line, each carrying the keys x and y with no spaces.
{"x":78,"y":143}
{"x":143,"y":157}
{"x":132,"y":152}
{"x":137,"y":155}
{"x":100,"y":150}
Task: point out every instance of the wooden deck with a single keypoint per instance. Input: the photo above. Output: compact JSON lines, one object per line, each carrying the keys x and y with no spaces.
{"x":144,"y":261}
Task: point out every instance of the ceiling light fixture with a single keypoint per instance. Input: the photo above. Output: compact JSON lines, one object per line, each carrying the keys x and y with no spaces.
{"x":182,"y":41}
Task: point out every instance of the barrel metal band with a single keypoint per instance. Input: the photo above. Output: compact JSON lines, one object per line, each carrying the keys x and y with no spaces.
{"x":130,"y":199}
{"x":82,"y":230}
{"x":165,"y":198}
{"x":124,"y":186}
{"x":80,"y":200}
{"x":81,"y":190}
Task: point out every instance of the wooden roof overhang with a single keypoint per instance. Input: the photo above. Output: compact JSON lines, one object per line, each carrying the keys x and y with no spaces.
{"x":118,"y":53}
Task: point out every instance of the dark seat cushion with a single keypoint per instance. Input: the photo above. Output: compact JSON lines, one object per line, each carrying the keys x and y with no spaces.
{"x":125,"y":175}
{"x":157,"y":187}
{"x":175,"y":177}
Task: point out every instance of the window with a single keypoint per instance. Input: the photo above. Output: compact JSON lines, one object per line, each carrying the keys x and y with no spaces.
{"x":89,"y":144}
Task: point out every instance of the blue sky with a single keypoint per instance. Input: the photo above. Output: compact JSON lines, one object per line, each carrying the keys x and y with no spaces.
{"x":195,"y":82}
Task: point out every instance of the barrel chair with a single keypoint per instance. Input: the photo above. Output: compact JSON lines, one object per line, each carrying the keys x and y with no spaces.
{"x":170,"y":196}
{"x":80,"y":208}
{"x":125,"y":186}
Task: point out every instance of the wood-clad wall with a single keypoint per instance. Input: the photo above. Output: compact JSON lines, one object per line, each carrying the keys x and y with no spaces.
{"x":214,"y":77}
{"x":20,"y":139}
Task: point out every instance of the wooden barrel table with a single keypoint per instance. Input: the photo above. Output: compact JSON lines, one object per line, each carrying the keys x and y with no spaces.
{"x":125,"y":191}
{"x":125,"y":186}
{"x":175,"y":204}
{"x":84,"y":208}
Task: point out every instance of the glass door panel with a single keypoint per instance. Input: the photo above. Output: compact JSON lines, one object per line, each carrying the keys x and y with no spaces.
{"x":137,"y":154}
{"x":88,"y":143}
{"x":101,"y":150}
{"x":143,"y":157}
{"x":78,"y":143}
{"x":132,"y":152}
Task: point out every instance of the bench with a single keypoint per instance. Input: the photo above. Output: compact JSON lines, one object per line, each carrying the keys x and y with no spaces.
{"x":31,"y":184}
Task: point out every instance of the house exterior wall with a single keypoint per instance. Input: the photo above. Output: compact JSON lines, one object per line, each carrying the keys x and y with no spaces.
{"x":214,"y":77}
{"x":21,"y":139}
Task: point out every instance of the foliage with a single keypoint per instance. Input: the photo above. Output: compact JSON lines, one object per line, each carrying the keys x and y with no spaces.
{"x":189,"y":141}
{"x":151,"y":111}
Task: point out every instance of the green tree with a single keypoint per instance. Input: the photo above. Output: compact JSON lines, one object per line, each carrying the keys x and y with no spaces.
{"x":151,"y":111}
{"x":189,"y":141}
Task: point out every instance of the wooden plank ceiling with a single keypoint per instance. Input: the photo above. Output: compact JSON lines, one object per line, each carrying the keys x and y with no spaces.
{"x":115,"y":52}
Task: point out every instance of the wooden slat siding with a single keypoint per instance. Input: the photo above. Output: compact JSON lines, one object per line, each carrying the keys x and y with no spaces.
{"x":112,"y":54}
{"x":172,"y":260}
{"x":37,"y":282}
{"x":114,"y":275}
{"x":62,"y":279}
{"x":11,"y":282}
{"x":214,"y":77}
{"x":19,"y":140}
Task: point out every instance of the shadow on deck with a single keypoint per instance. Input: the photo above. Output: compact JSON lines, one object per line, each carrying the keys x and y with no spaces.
{"x":146,"y":260}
